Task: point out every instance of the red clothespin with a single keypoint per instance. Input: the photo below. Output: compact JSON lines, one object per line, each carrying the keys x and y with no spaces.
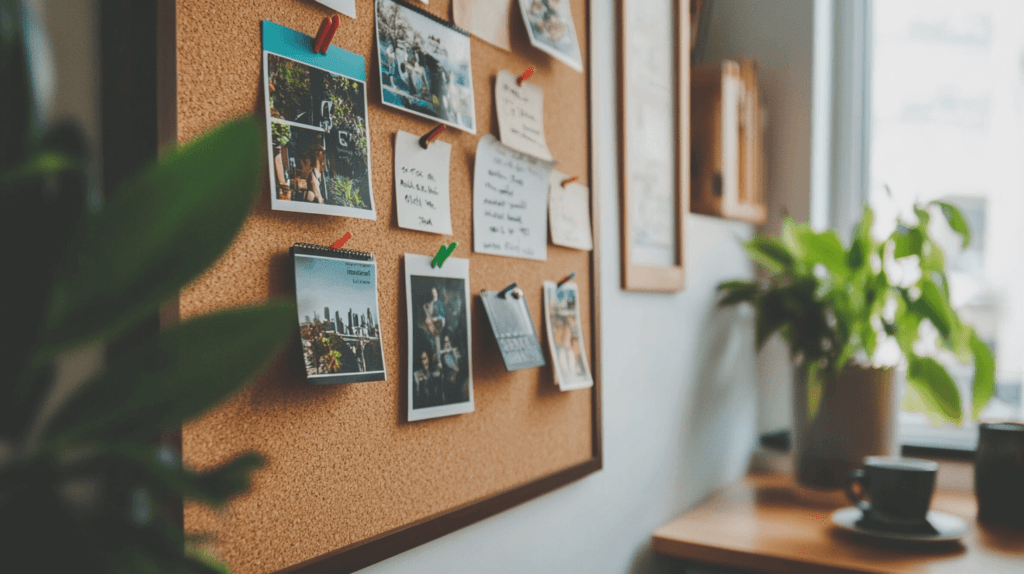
{"x":323,"y":38}
{"x":429,"y":137}
{"x":566,"y":182}
{"x":339,"y":243}
{"x":526,"y":74}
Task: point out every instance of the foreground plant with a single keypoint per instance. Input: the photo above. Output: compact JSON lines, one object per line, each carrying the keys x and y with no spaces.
{"x":82,"y":485}
{"x":835,"y":305}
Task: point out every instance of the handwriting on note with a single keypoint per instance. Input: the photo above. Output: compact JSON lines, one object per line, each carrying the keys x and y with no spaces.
{"x":421,"y":184}
{"x":510,"y":196}
{"x":569,"y":213}
{"x":521,"y":115}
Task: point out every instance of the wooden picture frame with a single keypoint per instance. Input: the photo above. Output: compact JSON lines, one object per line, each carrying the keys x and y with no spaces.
{"x":655,"y":184}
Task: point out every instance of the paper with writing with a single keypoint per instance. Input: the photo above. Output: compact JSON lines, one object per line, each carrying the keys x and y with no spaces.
{"x":521,"y":115}
{"x":421,"y":184}
{"x":510,"y":197}
{"x":569,"y":213}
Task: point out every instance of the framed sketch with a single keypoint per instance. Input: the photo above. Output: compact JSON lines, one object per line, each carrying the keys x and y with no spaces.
{"x":654,"y":62}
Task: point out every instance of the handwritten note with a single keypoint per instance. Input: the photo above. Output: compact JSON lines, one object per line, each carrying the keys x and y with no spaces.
{"x":510,"y":196}
{"x":569,"y":213}
{"x":421,"y":184}
{"x":521,"y":115}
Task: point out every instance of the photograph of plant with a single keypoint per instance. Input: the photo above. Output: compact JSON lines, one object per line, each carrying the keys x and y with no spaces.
{"x":319,"y":140}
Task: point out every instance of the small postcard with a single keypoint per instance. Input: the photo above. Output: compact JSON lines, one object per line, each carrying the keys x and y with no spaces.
{"x":421,"y":184}
{"x":339,"y":320}
{"x":551,"y":29}
{"x":513,"y":329}
{"x":565,"y":336}
{"x":319,"y":145}
{"x":424,"y":65}
{"x":569,"y":213}
{"x":486,"y":19}
{"x":521,"y":115}
{"x":510,"y":202}
{"x":346,"y":7}
{"x":440,"y":332}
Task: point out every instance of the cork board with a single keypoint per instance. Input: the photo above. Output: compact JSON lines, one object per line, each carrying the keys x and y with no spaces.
{"x":349,"y":482}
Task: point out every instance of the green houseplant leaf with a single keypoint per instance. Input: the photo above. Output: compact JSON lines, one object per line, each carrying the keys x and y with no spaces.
{"x":935,"y":386}
{"x":158,"y":232}
{"x":956,"y":220}
{"x":176,"y":376}
{"x":984,"y":374}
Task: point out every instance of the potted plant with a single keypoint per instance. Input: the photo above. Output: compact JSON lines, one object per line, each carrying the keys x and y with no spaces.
{"x":841,"y":308}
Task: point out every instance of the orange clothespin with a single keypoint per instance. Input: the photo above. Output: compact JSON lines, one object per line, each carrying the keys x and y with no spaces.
{"x":323,"y":38}
{"x":339,"y":243}
{"x":566,"y":182}
{"x":526,"y":74}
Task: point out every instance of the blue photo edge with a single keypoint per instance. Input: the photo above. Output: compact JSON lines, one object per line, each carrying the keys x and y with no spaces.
{"x":286,"y":42}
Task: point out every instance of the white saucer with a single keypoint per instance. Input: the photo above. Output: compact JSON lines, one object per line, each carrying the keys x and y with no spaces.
{"x":949,"y":527}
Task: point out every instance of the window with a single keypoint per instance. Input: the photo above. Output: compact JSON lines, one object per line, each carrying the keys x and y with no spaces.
{"x":947,"y":123}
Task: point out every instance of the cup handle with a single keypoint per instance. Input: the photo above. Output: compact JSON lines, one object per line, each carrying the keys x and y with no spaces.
{"x":856,"y":476}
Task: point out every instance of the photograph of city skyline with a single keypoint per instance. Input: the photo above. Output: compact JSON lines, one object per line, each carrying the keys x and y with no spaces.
{"x":338,"y":319}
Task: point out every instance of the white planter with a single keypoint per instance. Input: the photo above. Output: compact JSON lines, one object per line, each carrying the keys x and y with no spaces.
{"x":856,"y":418}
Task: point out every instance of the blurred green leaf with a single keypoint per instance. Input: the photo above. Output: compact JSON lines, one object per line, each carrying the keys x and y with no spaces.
{"x":771,"y":316}
{"x":824,"y":248}
{"x":43,"y":163}
{"x":815,"y":386}
{"x":939,"y":389}
{"x":933,"y":305}
{"x":177,"y":376}
{"x":907,"y":241}
{"x":984,"y":374}
{"x":737,"y":292}
{"x":163,"y":228}
{"x":956,"y":220}
{"x":770,"y":253}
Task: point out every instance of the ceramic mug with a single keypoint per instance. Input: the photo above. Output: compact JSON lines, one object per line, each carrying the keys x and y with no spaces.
{"x":999,"y":473}
{"x":899,"y":489}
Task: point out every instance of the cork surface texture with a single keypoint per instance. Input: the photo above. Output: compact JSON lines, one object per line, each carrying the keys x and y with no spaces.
{"x":343,"y":465}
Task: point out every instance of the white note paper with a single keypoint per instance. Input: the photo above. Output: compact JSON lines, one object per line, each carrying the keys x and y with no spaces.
{"x":346,"y":7}
{"x":569,"y":213}
{"x":486,"y":19}
{"x":510,"y":197}
{"x":421,"y":184}
{"x":521,"y":115}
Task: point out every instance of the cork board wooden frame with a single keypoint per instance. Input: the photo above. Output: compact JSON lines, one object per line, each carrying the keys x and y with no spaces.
{"x":637,"y":275}
{"x":349,"y":482}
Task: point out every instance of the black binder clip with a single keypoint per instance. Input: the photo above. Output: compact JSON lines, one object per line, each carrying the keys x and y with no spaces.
{"x":516,"y":292}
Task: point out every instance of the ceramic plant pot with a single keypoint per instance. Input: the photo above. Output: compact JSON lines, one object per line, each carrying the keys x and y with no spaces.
{"x":855,"y":418}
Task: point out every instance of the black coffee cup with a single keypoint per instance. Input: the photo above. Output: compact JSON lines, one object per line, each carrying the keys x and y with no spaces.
{"x":899,"y":489}
{"x":999,"y":473}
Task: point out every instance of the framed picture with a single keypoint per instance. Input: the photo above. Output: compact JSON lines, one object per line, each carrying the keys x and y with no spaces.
{"x":654,"y":62}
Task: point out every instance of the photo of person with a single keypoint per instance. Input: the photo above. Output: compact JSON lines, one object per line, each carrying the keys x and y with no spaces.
{"x":440,"y":370}
{"x":565,"y":336}
{"x":424,"y":65}
{"x":318,"y":137}
{"x":339,"y":321}
{"x":551,"y":29}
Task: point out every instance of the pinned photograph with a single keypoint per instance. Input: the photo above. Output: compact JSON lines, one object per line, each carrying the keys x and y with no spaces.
{"x":440,"y":363}
{"x":551,"y":29}
{"x":339,"y":321}
{"x":424,"y":65}
{"x":565,"y":336}
{"x":316,"y":118}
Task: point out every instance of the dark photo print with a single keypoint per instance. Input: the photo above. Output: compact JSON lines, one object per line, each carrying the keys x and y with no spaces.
{"x":440,"y":371}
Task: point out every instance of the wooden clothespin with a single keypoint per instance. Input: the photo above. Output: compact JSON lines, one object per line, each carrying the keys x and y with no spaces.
{"x":566,"y":182}
{"x":429,"y":137}
{"x":566,"y":280}
{"x":323,"y":38}
{"x":526,"y":74}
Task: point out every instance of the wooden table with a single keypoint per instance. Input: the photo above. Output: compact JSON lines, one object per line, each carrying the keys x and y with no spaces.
{"x":764,"y":523}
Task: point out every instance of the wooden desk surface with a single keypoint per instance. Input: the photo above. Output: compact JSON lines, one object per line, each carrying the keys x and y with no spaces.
{"x":763,"y":523}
